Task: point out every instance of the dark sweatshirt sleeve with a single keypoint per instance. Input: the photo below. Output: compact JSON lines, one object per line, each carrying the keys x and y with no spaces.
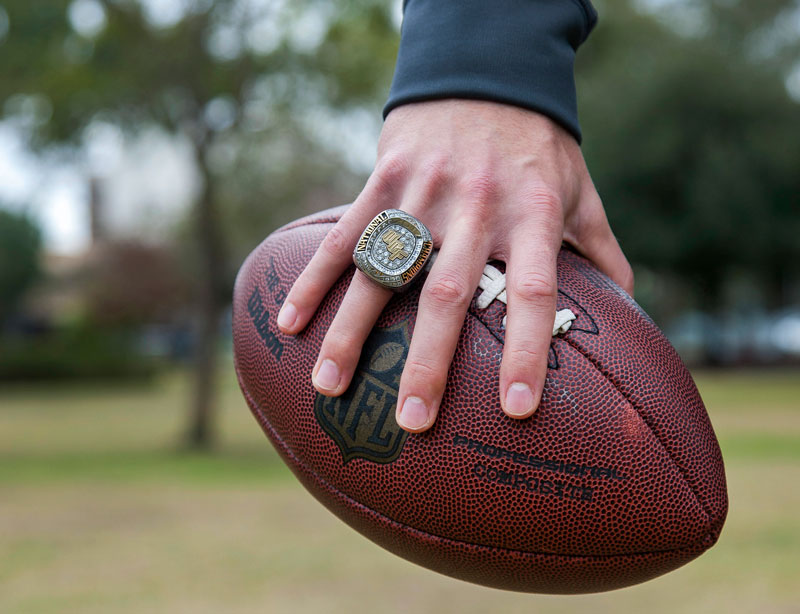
{"x":518,"y":52}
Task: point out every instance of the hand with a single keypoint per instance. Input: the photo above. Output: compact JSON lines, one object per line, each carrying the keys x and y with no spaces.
{"x":490,"y":181}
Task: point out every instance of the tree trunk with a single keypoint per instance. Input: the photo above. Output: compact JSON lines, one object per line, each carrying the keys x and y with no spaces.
{"x":210,"y":289}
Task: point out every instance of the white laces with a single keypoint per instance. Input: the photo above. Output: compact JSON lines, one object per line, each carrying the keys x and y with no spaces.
{"x":493,"y":284}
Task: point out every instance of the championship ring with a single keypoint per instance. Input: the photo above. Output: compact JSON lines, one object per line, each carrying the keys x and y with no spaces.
{"x":393,"y":249}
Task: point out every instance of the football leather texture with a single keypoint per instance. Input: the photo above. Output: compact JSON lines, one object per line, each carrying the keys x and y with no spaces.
{"x":617,"y":478}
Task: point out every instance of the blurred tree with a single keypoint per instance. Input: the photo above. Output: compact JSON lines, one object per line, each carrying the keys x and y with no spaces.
{"x":694,"y":141}
{"x":689,"y":131}
{"x":131,"y":284}
{"x":20,"y":244}
{"x":231,"y":77}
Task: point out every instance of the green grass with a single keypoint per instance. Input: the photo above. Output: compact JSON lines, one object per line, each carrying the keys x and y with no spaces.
{"x":101,"y":510}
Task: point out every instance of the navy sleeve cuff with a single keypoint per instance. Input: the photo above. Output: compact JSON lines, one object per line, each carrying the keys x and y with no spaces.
{"x":518,"y":52}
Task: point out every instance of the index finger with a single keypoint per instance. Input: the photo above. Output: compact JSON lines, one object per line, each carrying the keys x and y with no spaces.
{"x":334,"y":254}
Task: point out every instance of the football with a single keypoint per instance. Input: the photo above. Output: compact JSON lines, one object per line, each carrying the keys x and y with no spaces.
{"x":617,"y":478}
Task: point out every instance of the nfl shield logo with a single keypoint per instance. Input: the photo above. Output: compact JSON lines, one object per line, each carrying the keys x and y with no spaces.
{"x":361,"y":421}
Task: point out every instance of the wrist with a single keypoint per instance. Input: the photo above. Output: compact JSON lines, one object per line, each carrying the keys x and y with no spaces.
{"x":517,"y":52}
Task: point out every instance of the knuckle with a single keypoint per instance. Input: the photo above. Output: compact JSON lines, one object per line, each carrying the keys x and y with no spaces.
{"x":592,"y":228}
{"x":305,"y":295}
{"x":419,"y":371}
{"x":544,"y":198}
{"x":533,"y":286}
{"x":336,"y":242}
{"x":448,"y":290}
{"x":339,"y":343}
{"x":524,"y":356}
{"x":481,"y":188}
{"x":390,"y":172}
{"x":436,"y":170}
{"x":305,"y":290}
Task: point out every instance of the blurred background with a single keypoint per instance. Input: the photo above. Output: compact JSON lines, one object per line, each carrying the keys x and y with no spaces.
{"x":146,"y":146}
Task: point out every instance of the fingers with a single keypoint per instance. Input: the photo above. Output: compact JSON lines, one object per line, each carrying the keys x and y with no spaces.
{"x":531,"y":296}
{"x":341,"y":348}
{"x":443,"y":304}
{"x":333,"y":256}
{"x":597,"y":242}
{"x":335,"y":253}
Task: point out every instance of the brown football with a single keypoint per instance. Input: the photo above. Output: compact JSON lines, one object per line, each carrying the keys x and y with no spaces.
{"x":617,"y":478}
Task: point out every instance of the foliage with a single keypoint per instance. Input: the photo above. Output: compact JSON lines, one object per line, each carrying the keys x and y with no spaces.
{"x":76,"y":352}
{"x":693,"y":143}
{"x":20,"y":243}
{"x":689,"y":131}
{"x":233,"y":77}
{"x":220,"y":76}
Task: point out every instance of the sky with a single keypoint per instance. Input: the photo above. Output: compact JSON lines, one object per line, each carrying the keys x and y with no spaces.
{"x":147,"y":184}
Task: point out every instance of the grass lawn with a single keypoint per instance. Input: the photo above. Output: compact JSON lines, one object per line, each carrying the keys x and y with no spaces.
{"x":101,"y":511}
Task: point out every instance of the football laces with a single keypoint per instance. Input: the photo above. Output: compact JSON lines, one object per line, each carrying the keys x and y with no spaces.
{"x":493,"y":284}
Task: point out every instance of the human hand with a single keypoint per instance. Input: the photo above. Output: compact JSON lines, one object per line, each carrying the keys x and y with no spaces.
{"x":491,"y":182}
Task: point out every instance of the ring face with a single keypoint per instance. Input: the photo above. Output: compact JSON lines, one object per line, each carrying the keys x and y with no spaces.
{"x":393,"y":249}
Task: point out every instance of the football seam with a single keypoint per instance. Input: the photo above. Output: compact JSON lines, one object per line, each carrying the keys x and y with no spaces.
{"x":608,"y":378}
{"x":693,"y":548}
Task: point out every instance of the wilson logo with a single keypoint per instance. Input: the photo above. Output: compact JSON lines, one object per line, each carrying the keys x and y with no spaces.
{"x":260,"y":316}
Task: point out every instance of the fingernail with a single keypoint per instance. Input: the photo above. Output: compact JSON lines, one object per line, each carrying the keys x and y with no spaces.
{"x":287,"y":316}
{"x":519,"y":399}
{"x":328,"y":375}
{"x":414,"y":414}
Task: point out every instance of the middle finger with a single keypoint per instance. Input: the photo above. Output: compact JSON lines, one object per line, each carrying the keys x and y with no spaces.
{"x":443,"y":305}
